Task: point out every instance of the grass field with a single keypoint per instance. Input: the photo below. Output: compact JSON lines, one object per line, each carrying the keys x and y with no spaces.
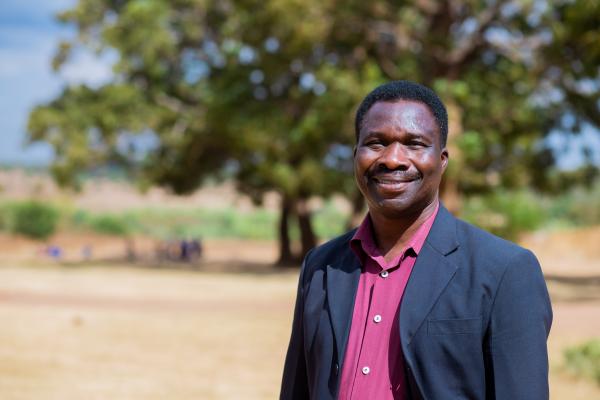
{"x":220,"y":332}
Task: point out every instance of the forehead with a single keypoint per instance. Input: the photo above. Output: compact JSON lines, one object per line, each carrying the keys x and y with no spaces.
{"x":407,"y":115}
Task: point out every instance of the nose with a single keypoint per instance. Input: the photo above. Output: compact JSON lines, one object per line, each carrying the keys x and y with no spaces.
{"x":394,"y":157}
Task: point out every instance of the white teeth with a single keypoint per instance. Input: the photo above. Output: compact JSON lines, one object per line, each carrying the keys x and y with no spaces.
{"x":390,"y":182}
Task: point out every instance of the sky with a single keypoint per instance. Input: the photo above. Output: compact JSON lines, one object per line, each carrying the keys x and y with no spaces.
{"x":29,"y":37}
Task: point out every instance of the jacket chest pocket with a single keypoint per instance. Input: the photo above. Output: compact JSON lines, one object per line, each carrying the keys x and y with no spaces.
{"x":456,"y":326}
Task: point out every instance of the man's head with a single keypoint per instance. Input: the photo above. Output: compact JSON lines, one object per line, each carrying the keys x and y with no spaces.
{"x":405,"y":90}
{"x":400,"y":153}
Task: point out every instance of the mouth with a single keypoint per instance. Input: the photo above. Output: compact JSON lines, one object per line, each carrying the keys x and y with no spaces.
{"x":393,"y":183}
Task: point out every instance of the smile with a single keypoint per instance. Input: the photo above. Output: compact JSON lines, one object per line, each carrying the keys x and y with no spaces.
{"x":392,"y":184}
{"x":391,"y":181}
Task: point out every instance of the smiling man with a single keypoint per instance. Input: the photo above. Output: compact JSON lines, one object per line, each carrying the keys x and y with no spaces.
{"x":414,"y":303}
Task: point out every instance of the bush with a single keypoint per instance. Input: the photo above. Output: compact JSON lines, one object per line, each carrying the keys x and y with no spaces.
{"x":34,"y":219}
{"x":109,"y":225}
{"x":584,"y":360}
{"x":5,"y":217}
{"x":506,"y":214}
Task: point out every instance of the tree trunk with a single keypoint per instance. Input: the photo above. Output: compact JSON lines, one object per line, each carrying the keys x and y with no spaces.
{"x":449,"y":190}
{"x":285,"y":246}
{"x":308,"y":239}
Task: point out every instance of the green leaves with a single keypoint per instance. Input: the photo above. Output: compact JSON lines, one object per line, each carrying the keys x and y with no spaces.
{"x":261,"y":91}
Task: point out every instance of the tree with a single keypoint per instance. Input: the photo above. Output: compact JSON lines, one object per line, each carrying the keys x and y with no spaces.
{"x":263,"y":91}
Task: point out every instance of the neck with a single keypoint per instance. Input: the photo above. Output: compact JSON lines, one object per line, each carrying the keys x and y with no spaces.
{"x":392,"y":234}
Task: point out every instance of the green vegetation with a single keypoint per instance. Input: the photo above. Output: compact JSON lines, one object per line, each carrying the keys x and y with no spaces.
{"x":195,"y":223}
{"x":264,"y":92}
{"x":506,"y":214}
{"x":163,"y":223}
{"x":110,"y":225}
{"x":584,"y":360}
{"x":512,"y":212}
{"x":31,"y":218}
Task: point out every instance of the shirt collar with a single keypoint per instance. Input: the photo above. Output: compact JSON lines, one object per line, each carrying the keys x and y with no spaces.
{"x":363,"y":242}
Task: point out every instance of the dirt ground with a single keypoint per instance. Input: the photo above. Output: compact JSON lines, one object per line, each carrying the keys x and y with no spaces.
{"x":108,"y":330}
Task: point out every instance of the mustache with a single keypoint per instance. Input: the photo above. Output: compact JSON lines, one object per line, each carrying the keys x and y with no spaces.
{"x":395,"y":175}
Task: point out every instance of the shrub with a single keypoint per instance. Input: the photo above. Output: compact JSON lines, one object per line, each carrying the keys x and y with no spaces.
{"x":506,"y":214}
{"x":109,"y":225}
{"x":34,"y":219}
{"x":5,"y":216}
{"x":584,"y":360}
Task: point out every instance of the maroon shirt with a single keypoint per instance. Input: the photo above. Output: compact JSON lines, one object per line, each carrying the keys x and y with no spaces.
{"x":373,"y":366}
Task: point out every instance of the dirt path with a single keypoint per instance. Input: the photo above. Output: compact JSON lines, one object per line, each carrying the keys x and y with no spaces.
{"x":131,"y":333}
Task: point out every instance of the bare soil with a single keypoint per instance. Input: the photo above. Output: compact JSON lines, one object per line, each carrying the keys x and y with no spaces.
{"x":216,"y":330}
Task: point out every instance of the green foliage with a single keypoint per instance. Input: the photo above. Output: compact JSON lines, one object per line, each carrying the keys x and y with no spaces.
{"x":584,"y":360}
{"x":505,"y":214}
{"x":221,"y":223}
{"x":5,"y":216}
{"x":509,"y":213}
{"x":168,"y":224}
{"x":264,"y":92}
{"x":578,"y":207}
{"x":163,"y":223}
{"x":329,"y":221}
{"x":34,"y":219}
{"x":109,"y":225}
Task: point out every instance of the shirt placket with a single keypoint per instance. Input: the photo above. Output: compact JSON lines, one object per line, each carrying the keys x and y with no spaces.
{"x":375,"y":323}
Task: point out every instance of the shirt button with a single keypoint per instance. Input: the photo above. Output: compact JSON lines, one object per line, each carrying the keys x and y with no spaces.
{"x":384,"y":274}
{"x":377,"y":318}
{"x":366,"y":370}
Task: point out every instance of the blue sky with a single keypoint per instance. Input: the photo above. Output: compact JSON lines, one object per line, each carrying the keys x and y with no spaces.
{"x":29,"y":36}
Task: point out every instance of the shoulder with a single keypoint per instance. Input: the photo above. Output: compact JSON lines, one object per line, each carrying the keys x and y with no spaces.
{"x":490,"y":251}
{"x":472,"y":235}
{"x":328,"y":252}
{"x":331,"y":249}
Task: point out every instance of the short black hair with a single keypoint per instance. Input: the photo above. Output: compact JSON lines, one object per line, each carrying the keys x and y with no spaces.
{"x":405,"y":90}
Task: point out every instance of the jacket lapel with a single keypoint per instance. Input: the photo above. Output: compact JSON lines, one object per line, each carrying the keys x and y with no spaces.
{"x":342,"y":282}
{"x":430,"y":275}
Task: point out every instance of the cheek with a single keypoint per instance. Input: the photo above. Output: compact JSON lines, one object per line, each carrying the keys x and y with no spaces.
{"x":363,"y":160}
{"x":428,"y":164}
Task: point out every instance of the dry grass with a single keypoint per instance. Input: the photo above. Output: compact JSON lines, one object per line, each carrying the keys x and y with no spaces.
{"x":116,"y":332}
{"x":125,"y":334}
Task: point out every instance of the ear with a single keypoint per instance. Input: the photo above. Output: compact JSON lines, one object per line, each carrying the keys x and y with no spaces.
{"x":444,"y":157}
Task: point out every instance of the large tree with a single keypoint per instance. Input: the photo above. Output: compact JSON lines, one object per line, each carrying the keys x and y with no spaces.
{"x":263,"y":92}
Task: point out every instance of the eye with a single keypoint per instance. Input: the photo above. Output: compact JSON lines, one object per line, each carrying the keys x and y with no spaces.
{"x":373,"y":143}
{"x":417,"y":143}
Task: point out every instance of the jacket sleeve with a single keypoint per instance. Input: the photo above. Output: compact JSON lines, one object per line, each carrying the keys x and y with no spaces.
{"x":294,"y":384}
{"x":520,"y":321}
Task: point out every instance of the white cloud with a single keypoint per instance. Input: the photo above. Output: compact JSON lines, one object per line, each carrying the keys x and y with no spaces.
{"x":87,"y":68}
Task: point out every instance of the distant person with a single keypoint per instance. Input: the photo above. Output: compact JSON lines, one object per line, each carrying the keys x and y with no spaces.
{"x":54,"y":252}
{"x":195,"y":249}
{"x":415,"y":304}
{"x":190,"y":250}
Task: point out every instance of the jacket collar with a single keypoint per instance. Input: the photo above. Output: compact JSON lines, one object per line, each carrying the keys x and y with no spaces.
{"x":431,"y":274}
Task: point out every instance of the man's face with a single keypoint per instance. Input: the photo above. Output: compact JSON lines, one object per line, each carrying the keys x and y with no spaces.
{"x":398,"y":160}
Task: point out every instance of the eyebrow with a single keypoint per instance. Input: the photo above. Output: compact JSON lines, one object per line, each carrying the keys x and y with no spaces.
{"x":411,"y":135}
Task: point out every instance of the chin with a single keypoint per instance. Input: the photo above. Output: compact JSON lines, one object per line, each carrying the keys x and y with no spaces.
{"x":399,"y":207}
{"x":395,"y":208}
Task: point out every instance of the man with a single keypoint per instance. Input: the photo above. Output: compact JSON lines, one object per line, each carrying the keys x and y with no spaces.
{"x":415,"y":304}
